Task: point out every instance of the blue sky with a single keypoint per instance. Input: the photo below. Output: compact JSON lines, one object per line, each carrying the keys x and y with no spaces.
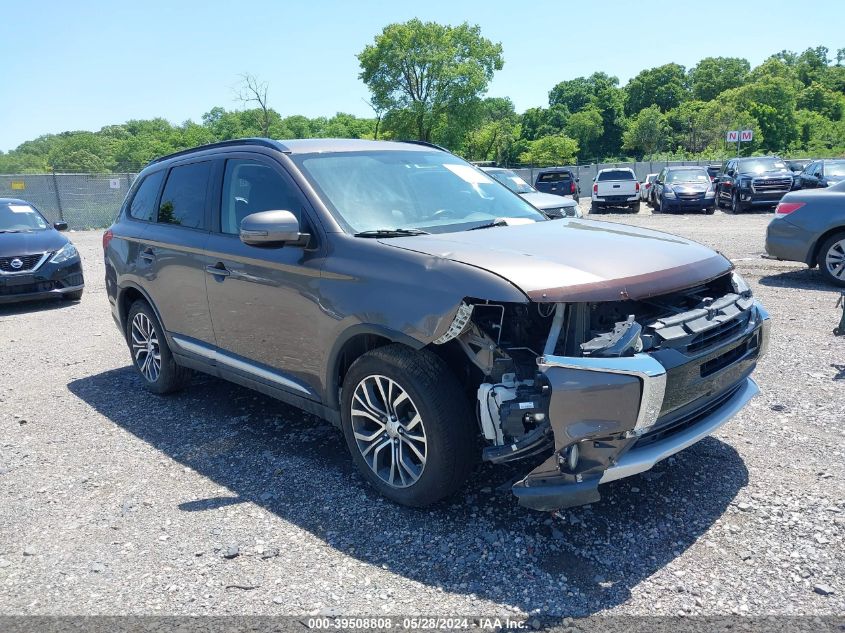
{"x":84,"y":64}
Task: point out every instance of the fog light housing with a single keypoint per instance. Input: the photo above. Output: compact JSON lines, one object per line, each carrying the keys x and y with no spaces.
{"x":569,"y":457}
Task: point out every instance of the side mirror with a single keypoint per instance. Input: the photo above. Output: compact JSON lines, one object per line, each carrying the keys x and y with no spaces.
{"x":577,"y":180}
{"x":271,"y":228}
{"x":60,"y":226}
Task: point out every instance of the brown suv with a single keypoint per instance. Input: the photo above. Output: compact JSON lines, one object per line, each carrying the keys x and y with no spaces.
{"x":431,"y":313}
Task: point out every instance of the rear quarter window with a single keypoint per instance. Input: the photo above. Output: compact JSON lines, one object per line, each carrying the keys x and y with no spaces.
{"x":143,"y":202}
{"x":616,"y":174}
{"x":183,"y":199}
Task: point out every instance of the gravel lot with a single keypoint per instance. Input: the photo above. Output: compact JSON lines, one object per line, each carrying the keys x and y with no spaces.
{"x":221,"y":501}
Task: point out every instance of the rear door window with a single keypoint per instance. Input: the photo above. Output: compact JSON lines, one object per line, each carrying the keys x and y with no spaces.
{"x":616,"y":174}
{"x":143,"y":205}
{"x":184,"y":196}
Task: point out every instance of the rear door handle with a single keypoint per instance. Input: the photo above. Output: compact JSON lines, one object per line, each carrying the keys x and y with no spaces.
{"x":148,"y":255}
{"x":218,"y":270}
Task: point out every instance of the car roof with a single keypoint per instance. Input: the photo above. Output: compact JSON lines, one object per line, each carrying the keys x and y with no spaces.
{"x":554,"y":170}
{"x":673,"y":167}
{"x":307,"y":146}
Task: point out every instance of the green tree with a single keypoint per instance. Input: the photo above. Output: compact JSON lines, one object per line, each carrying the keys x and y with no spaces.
{"x":575,"y":94}
{"x":772,"y":101}
{"x":664,"y":86}
{"x":647,"y":132}
{"x":428,"y":71}
{"x":818,"y":98}
{"x":586,"y":127}
{"x":713,"y":75}
{"x":551,"y":150}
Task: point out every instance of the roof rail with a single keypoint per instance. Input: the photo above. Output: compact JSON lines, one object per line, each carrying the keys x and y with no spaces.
{"x":264,"y":142}
{"x":427,"y":144}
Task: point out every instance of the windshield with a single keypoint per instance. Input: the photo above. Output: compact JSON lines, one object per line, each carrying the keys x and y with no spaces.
{"x":511,"y":180}
{"x":836,"y":168}
{"x":689,"y":175}
{"x":412,"y":190}
{"x":17,"y":217}
{"x":616,"y":174}
{"x":759,"y":165}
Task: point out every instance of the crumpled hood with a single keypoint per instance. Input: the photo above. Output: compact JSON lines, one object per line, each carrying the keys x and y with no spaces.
{"x":16,"y":244}
{"x":577,"y":260}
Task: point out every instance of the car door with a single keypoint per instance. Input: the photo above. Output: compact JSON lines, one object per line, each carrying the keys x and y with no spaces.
{"x":171,"y":251}
{"x":820,"y":178}
{"x":807,"y":177}
{"x":264,"y":300}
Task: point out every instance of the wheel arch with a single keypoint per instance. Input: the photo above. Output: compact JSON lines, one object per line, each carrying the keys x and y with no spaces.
{"x":353,"y":343}
{"x":813,"y":253}
{"x":129,"y":294}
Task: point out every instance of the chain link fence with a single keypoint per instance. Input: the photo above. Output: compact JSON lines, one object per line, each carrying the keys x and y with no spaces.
{"x":84,"y":201}
{"x":91,"y":201}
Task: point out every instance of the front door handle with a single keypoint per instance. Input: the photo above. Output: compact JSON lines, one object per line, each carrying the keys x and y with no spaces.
{"x":218,"y":270}
{"x":148,"y":255}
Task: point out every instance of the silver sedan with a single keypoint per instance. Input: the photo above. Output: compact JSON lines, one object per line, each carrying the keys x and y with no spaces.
{"x":809,"y":227}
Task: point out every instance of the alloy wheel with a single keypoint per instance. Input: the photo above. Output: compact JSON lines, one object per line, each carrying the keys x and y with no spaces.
{"x":146,"y":351}
{"x":835,"y":259}
{"x":389,"y":431}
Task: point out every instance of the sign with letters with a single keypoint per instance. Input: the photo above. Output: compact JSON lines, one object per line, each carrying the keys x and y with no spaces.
{"x":739,"y":136}
{"x":746,"y":135}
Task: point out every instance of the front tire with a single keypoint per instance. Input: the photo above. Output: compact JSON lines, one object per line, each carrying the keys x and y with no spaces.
{"x":151,"y":356}
{"x":408,"y":425}
{"x":736,"y":206}
{"x":831,"y":259}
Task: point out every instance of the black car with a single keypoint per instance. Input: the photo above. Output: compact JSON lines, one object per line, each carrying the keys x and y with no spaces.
{"x":36,"y":261}
{"x":679,"y":189}
{"x":746,"y":183}
{"x":559,"y":181}
{"x":821,"y":173}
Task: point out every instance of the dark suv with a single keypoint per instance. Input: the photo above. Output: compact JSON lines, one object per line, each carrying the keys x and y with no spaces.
{"x":746,"y":183}
{"x":559,"y":181}
{"x":431,"y":313}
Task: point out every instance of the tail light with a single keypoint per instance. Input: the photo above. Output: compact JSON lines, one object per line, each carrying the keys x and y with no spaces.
{"x":637,"y":186}
{"x":784,"y":208}
{"x":596,"y":188}
{"x":107,"y":236}
{"x":572,"y":188}
{"x":647,"y":185}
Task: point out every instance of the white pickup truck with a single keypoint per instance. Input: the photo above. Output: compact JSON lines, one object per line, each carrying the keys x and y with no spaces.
{"x":617,"y":187}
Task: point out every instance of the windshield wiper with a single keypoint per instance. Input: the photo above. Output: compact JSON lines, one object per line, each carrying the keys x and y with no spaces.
{"x":489,"y":225}
{"x":391,"y":233}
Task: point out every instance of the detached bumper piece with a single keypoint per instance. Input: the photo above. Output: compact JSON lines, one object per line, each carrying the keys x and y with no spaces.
{"x":613,"y":417}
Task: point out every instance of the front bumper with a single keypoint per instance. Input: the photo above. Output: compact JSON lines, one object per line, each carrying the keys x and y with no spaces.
{"x":626,"y":414}
{"x":681,"y":204}
{"x":48,"y":281}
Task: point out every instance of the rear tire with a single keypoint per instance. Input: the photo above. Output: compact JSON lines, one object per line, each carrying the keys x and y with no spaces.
{"x":408,"y":425}
{"x":635,"y":208}
{"x":596,"y":208}
{"x":151,"y":356}
{"x":831,"y":258}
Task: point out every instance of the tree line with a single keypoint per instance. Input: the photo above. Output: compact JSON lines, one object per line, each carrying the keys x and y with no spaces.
{"x":428,"y":82}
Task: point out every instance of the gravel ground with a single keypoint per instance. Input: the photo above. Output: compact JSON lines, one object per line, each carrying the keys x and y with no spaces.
{"x":222,"y":501}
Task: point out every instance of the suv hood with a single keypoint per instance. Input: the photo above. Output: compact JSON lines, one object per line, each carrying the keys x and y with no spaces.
{"x":577,"y":260}
{"x":32,"y":243}
{"x":775,"y":173}
{"x":548,"y":200}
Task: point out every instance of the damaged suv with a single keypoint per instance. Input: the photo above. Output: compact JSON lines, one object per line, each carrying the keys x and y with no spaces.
{"x":431,"y":313}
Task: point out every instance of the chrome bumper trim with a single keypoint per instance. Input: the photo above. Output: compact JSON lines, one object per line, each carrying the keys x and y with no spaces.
{"x":640,"y":460}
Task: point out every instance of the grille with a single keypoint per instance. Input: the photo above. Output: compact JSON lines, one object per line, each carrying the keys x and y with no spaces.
{"x":29,"y":262}
{"x":717,"y":334}
{"x":691,"y":196}
{"x":771,"y":185}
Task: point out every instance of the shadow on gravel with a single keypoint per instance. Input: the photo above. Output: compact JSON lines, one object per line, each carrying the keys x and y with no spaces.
{"x":802,"y":279}
{"x":480,"y":542}
{"x":42,"y":305}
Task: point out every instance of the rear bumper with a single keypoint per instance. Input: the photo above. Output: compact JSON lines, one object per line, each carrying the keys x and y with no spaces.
{"x":620,"y":200}
{"x":786,"y":241}
{"x":620,"y":416}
